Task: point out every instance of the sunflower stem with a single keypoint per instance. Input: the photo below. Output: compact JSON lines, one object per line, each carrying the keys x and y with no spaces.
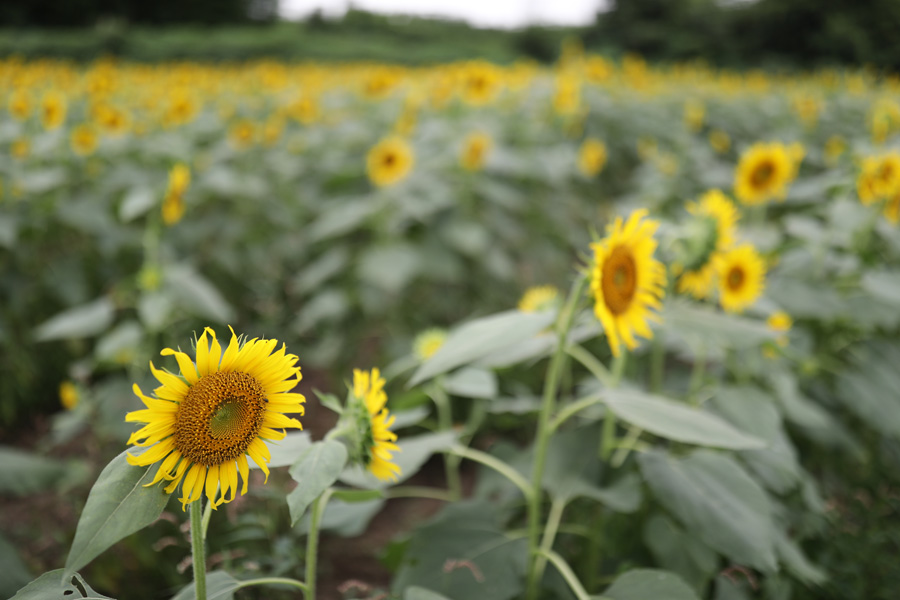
{"x":198,"y":550}
{"x":557,"y":506}
{"x":697,"y":376}
{"x":608,"y":438}
{"x":312,"y":542}
{"x":445,"y":423}
{"x":207,"y":513}
{"x":273,"y":581}
{"x":544,"y":430}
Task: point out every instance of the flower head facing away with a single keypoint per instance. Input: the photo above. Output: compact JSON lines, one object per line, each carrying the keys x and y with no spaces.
{"x":203,"y":424}
{"x":372,"y":444}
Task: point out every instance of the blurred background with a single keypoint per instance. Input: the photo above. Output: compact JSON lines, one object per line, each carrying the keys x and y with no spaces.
{"x":726,"y":33}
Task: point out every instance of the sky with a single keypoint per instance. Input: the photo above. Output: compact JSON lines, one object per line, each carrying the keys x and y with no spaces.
{"x":481,"y":13}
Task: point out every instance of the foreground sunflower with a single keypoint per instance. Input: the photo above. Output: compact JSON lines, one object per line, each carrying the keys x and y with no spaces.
{"x":716,"y":219}
{"x":372,"y":440}
{"x":626,"y":281}
{"x":763,"y":173}
{"x":741,"y":275}
{"x":202,"y":425}
{"x":389,"y":161}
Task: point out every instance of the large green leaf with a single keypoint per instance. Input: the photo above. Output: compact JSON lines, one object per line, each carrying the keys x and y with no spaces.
{"x":463,"y":553}
{"x":481,"y":337}
{"x":117,"y":506}
{"x":715,"y":499}
{"x":220,"y":585}
{"x":23,"y":473}
{"x":649,"y":584}
{"x":883,"y":284}
{"x":15,"y":573}
{"x":57,"y":584}
{"x":704,"y":329}
{"x":419,"y":593}
{"x":471,"y":382}
{"x":197,"y":295}
{"x":81,"y":321}
{"x":675,"y":421}
{"x":285,"y":451}
{"x":315,"y":471}
{"x":676,"y":550}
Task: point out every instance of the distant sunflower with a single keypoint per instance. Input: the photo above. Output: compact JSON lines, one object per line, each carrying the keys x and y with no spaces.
{"x":428,"y":342}
{"x":879,"y":177}
{"x":83,"y":139}
{"x":538,"y":298}
{"x":389,"y":161}
{"x":720,"y":217}
{"x":741,"y":275}
{"x":780,"y":322}
{"x":591,"y":157}
{"x":53,"y":109}
{"x":763,"y":173}
{"x":475,"y":150}
{"x":202,"y":425}
{"x":378,"y":441}
{"x":626,"y":281}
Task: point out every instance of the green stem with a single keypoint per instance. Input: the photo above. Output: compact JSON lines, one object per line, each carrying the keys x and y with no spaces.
{"x":413,"y":491}
{"x":198,"y":550}
{"x":207,"y":513}
{"x":608,"y":438}
{"x":445,"y":423}
{"x":566,"y":571}
{"x":312,"y":542}
{"x":631,"y":440}
{"x":557,"y":506}
{"x":273,"y":581}
{"x":592,"y":364}
{"x":574,"y":408}
{"x":548,"y":404}
{"x":697,"y":375}
{"x":657,"y":363}
{"x":495,"y":464}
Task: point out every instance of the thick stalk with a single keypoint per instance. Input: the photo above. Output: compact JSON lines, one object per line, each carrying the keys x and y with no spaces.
{"x":198,"y":550}
{"x":548,"y":404}
{"x":312,"y":542}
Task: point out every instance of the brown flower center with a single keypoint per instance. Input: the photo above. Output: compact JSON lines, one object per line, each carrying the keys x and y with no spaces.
{"x":619,"y":280}
{"x":221,"y":414}
{"x":762,"y":174}
{"x":735,"y":279}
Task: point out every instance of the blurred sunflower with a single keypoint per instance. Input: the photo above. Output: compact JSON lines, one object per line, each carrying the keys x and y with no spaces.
{"x":476,"y":148}
{"x":717,"y":219}
{"x":834,"y":148}
{"x":242,"y":134}
{"x":68,"y":395}
{"x":694,"y":114}
{"x":591,"y":157}
{"x":83,"y":139}
{"x":763,"y":173}
{"x":53,"y":109}
{"x":780,"y":322}
{"x":374,"y":441}
{"x":741,"y":275}
{"x":879,"y":178}
{"x":428,"y":342}
{"x":892,"y":209}
{"x":19,"y":105}
{"x":480,"y":82}
{"x":538,"y":298}
{"x":389,"y":161}
{"x":173,"y":202}
{"x":202,"y":425}
{"x":720,"y":141}
{"x":627,"y":283}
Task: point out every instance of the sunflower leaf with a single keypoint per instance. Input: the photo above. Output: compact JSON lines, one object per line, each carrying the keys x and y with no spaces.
{"x":49,"y":585}
{"x":220,"y":585}
{"x":117,"y":506}
{"x":639,"y":584}
{"x":315,"y":471}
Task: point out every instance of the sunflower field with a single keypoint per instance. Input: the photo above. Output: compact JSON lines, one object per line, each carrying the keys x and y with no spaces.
{"x":599,"y":330}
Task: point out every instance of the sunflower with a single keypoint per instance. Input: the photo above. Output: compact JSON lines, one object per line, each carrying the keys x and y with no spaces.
{"x":741,"y":275}
{"x":389,"y":161}
{"x":428,"y":342}
{"x":377,"y":442}
{"x":53,"y":109}
{"x":83,"y":139}
{"x":694,"y":114}
{"x":780,"y":322}
{"x":480,"y":83}
{"x":626,"y":281}
{"x":720,"y":141}
{"x":19,"y":105}
{"x":892,"y":209}
{"x":538,"y":298}
{"x":718,"y":218}
{"x":764,"y":172}
{"x":879,"y":177}
{"x":242,"y":134}
{"x":591,"y":157}
{"x":476,"y":148}
{"x":68,"y":395}
{"x":202,"y":425}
